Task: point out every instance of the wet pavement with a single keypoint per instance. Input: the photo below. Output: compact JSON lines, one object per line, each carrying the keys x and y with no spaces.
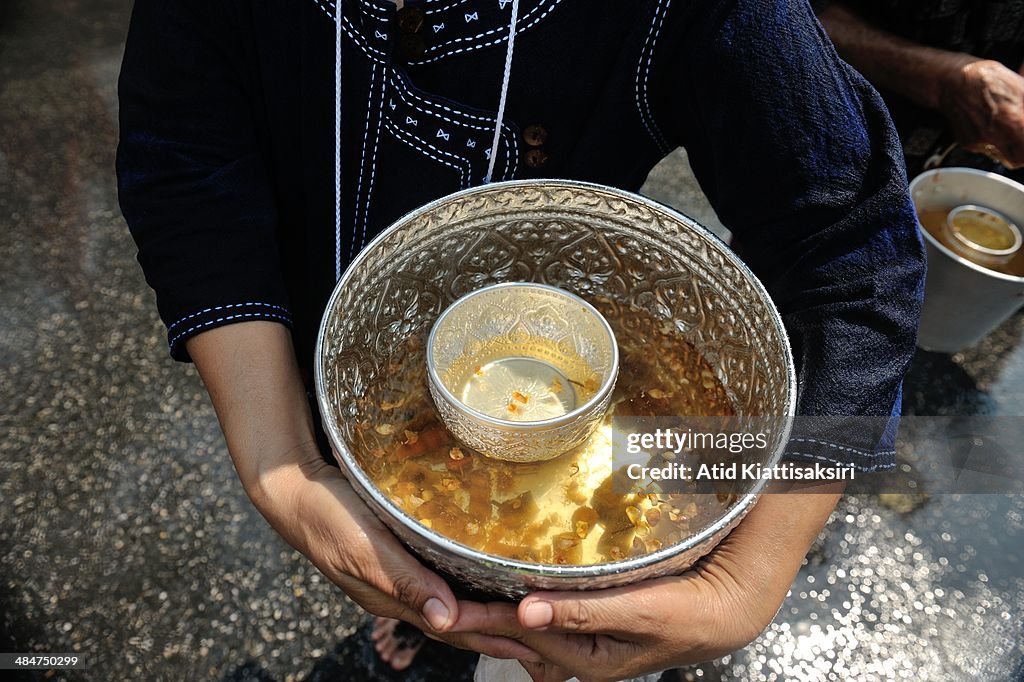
{"x":124,"y":534}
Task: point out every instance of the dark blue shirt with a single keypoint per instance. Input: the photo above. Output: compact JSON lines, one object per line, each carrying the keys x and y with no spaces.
{"x":226,"y":160}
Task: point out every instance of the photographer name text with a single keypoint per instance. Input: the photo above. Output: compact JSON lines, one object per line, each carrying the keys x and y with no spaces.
{"x":734,"y":471}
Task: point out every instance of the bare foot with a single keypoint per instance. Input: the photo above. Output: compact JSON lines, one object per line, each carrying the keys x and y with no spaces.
{"x":396,"y":643}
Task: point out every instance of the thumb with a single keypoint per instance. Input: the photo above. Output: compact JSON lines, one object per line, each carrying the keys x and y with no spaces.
{"x":360,"y":547}
{"x":416,"y":587}
{"x":612,"y":611}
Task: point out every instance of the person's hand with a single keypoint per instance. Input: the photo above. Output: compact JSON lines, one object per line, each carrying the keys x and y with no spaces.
{"x":984,"y":103}
{"x":250,"y":371}
{"x":315,"y":509}
{"x":717,"y":607}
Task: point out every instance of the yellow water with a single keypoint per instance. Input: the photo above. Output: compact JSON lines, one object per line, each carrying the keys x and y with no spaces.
{"x":983,"y":229}
{"x":934,"y":220}
{"x":569,"y":510}
{"x":519,"y":389}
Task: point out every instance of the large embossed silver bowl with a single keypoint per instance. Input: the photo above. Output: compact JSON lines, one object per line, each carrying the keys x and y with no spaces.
{"x":521,"y":371}
{"x":597,"y":242}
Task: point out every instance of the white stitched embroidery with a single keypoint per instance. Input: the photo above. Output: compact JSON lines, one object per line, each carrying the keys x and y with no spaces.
{"x":415,"y":143}
{"x":405,"y":92}
{"x":513,"y":152}
{"x":424,"y":146}
{"x":863,"y":469}
{"x":404,"y":89}
{"x":362,"y":169}
{"x":643,"y":72}
{"x":801,"y":439}
{"x":373,"y":166}
{"x":225,"y":319}
{"x":435,"y":10}
{"x":371,"y":52}
{"x":331,"y":7}
{"x":225,"y":307}
{"x":382,"y":12}
{"x":525,"y":25}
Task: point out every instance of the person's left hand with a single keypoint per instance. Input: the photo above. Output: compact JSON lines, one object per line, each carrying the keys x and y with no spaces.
{"x":717,"y":607}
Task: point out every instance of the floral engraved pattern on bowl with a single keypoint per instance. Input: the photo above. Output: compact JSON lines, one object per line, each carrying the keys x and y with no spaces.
{"x":617,"y":251}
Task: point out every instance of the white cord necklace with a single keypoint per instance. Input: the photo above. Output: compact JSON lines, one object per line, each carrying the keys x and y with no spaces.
{"x":499,"y":120}
{"x":506,"y":76}
{"x":337,"y":140}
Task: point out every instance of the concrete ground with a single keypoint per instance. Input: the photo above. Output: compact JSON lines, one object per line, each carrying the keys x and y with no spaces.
{"x":125,"y":536}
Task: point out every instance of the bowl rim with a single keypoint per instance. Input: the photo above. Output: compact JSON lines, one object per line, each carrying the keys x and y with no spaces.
{"x":531,"y":570}
{"x":607,"y":382}
{"x":942,"y":248}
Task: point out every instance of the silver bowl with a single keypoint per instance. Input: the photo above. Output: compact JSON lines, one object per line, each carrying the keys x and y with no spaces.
{"x":600,"y":243}
{"x":521,"y":371}
{"x":964,"y":300}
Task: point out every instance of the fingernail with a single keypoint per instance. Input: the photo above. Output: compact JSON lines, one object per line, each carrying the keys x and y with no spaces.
{"x":436,"y":613}
{"x":538,"y":614}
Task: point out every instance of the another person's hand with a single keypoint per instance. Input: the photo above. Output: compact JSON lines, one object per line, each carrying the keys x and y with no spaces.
{"x":719,"y":606}
{"x":984,"y":103}
{"x":982,"y":99}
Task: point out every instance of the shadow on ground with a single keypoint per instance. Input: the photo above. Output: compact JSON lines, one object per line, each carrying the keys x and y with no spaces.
{"x":355,"y":659}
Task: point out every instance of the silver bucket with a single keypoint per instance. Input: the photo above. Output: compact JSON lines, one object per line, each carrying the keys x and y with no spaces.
{"x":964,"y":301}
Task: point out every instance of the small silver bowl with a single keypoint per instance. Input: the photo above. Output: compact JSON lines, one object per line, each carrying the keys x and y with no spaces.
{"x":521,"y":371}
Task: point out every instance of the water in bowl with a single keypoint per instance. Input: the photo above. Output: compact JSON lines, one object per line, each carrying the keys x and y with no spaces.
{"x":934,"y":221}
{"x":522,"y":378}
{"x":573,"y":509}
{"x":519,"y":388}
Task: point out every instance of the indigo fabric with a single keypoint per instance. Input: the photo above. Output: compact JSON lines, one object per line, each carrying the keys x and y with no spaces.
{"x":226,"y":159}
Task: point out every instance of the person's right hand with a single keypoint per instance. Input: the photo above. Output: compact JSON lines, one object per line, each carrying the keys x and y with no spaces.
{"x":315,"y":509}
{"x":984,"y":103}
{"x":250,"y":371}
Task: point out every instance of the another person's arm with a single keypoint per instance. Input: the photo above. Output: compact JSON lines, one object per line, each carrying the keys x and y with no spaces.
{"x":982,"y":99}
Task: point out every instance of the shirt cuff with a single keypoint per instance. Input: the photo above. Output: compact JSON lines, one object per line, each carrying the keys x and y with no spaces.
{"x":814,"y":444}
{"x":810,"y":450}
{"x":209,"y":318}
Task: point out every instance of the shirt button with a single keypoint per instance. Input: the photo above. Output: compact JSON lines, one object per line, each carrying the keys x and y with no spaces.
{"x":535,"y":158}
{"x":411,"y":46}
{"x":410,"y":19}
{"x":535,"y":135}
